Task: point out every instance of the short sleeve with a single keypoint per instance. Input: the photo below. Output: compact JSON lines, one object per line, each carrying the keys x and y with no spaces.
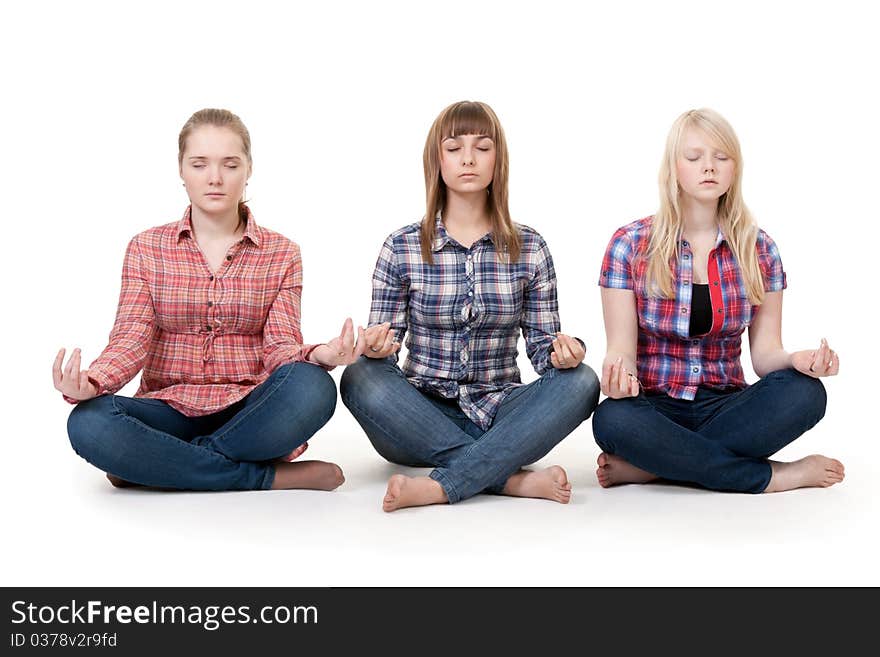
{"x":770,"y":263}
{"x":617,"y":262}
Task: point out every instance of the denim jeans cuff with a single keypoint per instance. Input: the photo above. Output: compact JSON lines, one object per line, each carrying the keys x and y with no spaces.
{"x":451,"y":494}
{"x":268,"y":478}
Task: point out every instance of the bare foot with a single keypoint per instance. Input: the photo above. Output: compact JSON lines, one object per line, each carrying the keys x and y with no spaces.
{"x":613,"y":470}
{"x":119,"y":482}
{"x":548,"y":484}
{"x":295,"y":454}
{"x":317,"y":475}
{"x":809,"y":472}
{"x":406,"y":491}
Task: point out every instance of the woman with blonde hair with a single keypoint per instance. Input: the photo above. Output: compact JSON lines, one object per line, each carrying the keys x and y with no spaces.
{"x":678,"y":290}
{"x":210,"y":309}
{"x":463,"y":283}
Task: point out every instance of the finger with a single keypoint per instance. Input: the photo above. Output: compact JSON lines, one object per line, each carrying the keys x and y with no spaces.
{"x":565,"y":351}
{"x":557,"y":350}
{"x":84,"y":385}
{"x":613,"y":375}
{"x":56,"y":368}
{"x":835,"y":364}
{"x":823,"y":358}
{"x":824,"y":354}
{"x":576,"y":348}
{"x":381,"y":336}
{"x":606,"y":376}
{"x":360,"y":345}
{"x":348,"y":338}
{"x":633,"y":386}
{"x":563,"y":346}
{"x":346,"y":327}
{"x":75,"y":362}
{"x":622,"y":377}
{"x":554,"y":360}
{"x":69,"y":364}
{"x":388,"y":343}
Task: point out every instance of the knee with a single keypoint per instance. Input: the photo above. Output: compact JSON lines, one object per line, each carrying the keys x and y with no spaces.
{"x":587,"y":385}
{"x":611,"y":423}
{"x":581,"y":386}
{"x":360,"y":382}
{"x":88,"y":427}
{"x":804,"y":394}
{"x":319,"y":386}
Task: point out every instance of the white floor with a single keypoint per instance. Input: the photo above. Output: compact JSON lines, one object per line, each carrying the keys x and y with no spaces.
{"x":65,"y":525}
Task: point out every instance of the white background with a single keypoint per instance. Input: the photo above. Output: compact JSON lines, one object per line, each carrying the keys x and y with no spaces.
{"x":338,"y":98}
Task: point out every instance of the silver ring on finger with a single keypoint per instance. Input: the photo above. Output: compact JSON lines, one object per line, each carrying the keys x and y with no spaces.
{"x":374,"y":350}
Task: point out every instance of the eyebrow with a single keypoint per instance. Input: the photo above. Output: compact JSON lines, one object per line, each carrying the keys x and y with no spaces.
{"x":205,"y":157}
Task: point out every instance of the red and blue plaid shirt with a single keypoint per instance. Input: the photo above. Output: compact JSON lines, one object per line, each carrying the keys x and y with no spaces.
{"x":464,"y":314}
{"x":669,"y":359}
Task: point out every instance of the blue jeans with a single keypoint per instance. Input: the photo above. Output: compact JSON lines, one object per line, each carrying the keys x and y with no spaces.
{"x":409,"y":427}
{"x":720,"y":440}
{"x":146,"y":441}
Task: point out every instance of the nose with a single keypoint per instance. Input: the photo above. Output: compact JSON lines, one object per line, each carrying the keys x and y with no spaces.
{"x":709,"y":167}
{"x":215,"y":176}
{"x":467,"y":155}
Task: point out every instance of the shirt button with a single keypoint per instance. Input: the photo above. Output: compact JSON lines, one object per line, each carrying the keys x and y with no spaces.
{"x":696,"y":369}
{"x":715,"y":283}
{"x":695,"y":342}
{"x":211,"y":277}
{"x":210,"y":303}
{"x":229,"y":257}
{"x":720,"y":310}
{"x":685,"y":257}
{"x":470,"y":294}
{"x":684,"y":311}
{"x":686,"y":282}
{"x":207,"y":328}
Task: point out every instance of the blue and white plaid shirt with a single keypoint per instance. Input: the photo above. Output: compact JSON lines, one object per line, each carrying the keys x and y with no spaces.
{"x":464,"y":314}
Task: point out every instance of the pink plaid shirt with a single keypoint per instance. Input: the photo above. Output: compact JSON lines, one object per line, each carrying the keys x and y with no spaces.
{"x":204,"y":339}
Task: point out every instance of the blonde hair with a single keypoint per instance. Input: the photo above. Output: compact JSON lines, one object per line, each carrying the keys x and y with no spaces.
{"x":469,"y":118}
{"x":219,"y":118}
{"x":734,"y":218}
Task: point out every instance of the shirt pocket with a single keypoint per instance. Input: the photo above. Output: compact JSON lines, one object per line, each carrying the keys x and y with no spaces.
{"x":738,"y":313}
{"x":657,"y":315}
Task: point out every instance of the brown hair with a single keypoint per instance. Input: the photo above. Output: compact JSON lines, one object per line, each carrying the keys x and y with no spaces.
{"x":219,"y":118}
{"x":469,"y":118}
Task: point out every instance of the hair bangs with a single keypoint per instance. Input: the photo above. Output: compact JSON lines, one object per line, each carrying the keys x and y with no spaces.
{"x":468,"y":118}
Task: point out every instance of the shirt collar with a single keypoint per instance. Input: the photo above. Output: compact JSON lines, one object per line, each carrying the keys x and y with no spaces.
{"x":250,"y":230}
{"x":718,"y":239}
{"x":441,"y":237}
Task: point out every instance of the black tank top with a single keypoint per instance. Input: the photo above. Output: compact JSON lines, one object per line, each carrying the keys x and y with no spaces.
{"x":701,"y":310}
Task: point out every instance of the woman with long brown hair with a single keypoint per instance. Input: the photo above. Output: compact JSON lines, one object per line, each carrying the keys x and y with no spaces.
{"x":463,"y":283}
{"x":210,"y":310}
{"x":678,"y":290}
